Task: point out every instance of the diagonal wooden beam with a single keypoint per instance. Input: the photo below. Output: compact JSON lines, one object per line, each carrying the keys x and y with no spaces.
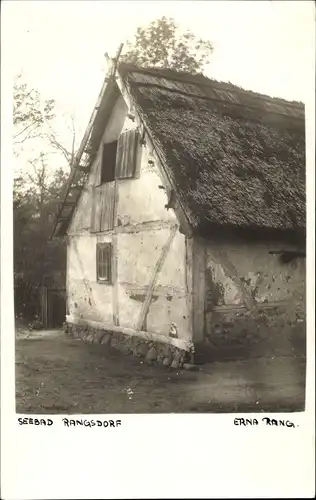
{"x":154,"y":278}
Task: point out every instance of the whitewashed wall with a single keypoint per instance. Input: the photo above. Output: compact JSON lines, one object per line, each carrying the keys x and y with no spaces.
{"x":142,"y":227}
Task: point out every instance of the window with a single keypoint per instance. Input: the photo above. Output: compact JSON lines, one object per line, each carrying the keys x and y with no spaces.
{"x":108,"y":162}
{"x":119,"y":158}
{"x":104,"y":261}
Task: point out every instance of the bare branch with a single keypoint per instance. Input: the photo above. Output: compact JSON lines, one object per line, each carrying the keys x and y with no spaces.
{"x":27,"y":137}
{"x":57,"y":145}
{"x":68,"y":154}
{"x":27,"y":127}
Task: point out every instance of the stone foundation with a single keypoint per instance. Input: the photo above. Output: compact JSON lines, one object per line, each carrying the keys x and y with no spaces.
{"x":150,"y":351}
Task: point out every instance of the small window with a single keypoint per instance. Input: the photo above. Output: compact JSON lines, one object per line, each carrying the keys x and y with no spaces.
{"x":108,"y":162}
{"x":104,"y":261}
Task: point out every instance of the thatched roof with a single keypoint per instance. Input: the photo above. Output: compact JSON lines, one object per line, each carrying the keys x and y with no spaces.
{"x":236,"y":158}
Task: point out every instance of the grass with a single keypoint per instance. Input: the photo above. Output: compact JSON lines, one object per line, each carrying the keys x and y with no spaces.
{"x":56,"y":374}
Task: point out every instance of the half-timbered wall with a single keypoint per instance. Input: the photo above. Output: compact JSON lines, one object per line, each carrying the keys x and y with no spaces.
{"x":149,"y":290}
{"x":254,"y":299}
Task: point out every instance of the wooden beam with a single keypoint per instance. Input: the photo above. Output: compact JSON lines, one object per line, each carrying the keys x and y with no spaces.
{"x":154,"y":278}
{"x":198,"y":288}
{"x":151,"y":336}
{"x":69,"y":203}
{"x":113,"y":62}
{"x":115,"y":285}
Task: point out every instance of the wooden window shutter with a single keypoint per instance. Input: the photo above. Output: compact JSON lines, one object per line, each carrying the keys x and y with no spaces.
{"x":127,"y":151}
{"x":96,"y":206}
{"x":102,"y":217}
{"x":97,"y":175}
{"x":107,"y":206}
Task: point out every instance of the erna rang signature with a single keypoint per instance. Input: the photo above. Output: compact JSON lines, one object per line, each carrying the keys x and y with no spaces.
{"x":265,"y":421}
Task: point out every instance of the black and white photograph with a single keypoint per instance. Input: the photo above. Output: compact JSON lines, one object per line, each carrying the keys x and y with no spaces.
{"x":159,"y":208}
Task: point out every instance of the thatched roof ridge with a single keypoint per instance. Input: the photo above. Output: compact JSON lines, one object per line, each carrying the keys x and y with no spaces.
{"x":203,"y":81}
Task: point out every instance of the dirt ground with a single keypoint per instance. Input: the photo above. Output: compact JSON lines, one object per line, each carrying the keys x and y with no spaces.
{"x":56,"y":374}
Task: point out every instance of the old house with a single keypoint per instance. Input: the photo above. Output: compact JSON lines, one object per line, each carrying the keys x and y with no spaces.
{"x":185,"y":220}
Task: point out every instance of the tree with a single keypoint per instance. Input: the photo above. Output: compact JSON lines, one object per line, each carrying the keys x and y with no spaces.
{"x":38,"y":260}
{"x":34,"y":209}
{"x":162,"y":45}
{"x":37,"y":187}
{"x":30,"y":112}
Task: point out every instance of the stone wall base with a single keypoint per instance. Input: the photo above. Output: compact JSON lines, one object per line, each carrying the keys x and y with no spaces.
{"x":150,"y":351}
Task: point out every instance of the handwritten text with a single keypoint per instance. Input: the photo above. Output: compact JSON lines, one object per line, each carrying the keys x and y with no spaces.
{"x":266,"y":421}
{"x":35,"y":421}
{"x":91,"y":423}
